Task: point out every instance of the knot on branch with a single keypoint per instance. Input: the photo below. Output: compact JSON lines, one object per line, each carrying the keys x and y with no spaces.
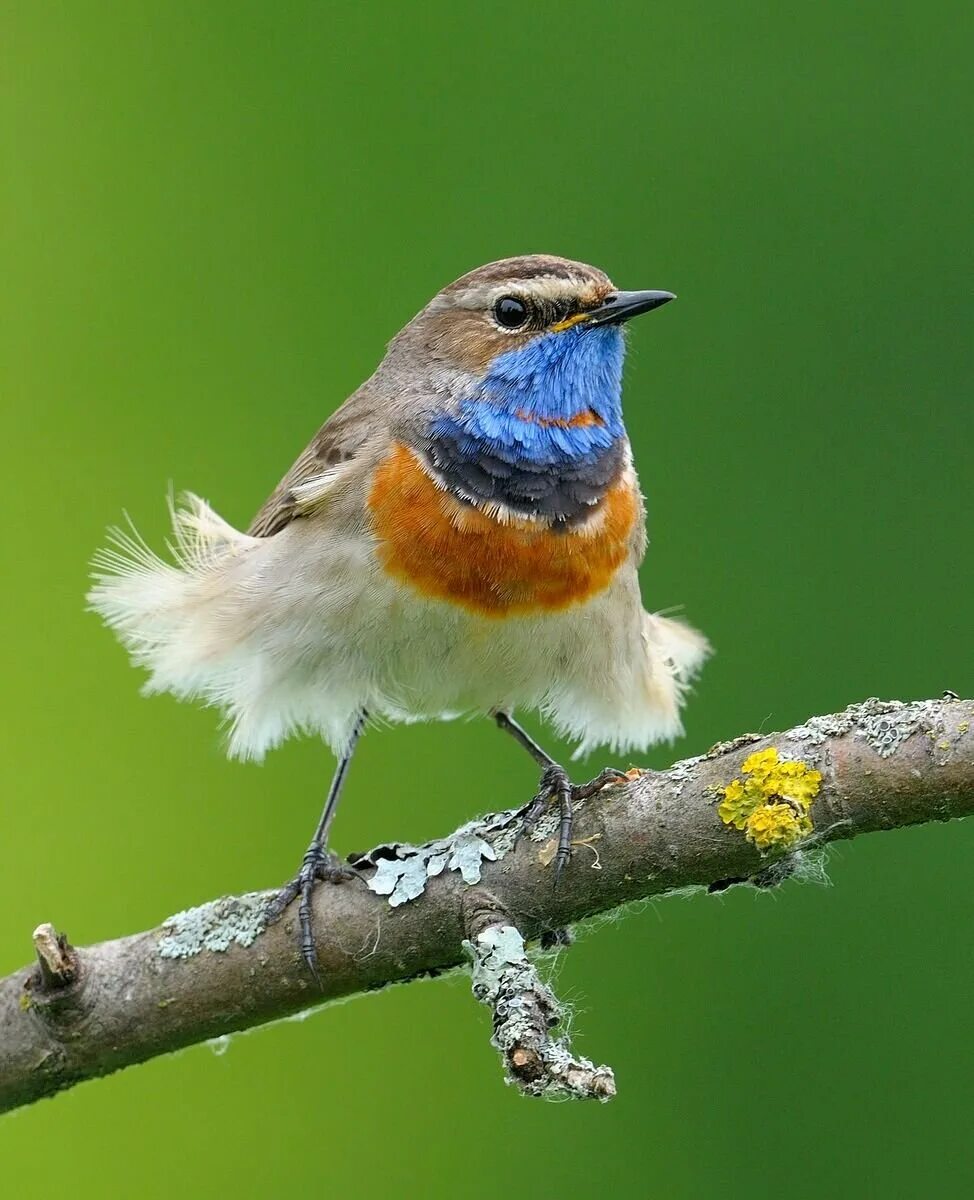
{"x":56,"y":958}
{"x":53,"y":989}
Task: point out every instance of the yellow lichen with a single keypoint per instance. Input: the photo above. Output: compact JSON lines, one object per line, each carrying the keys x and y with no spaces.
{"x":760,"y":762}
{"x":737,"y":805}
{"x":777,"y":826}
{"x":772,"y":803}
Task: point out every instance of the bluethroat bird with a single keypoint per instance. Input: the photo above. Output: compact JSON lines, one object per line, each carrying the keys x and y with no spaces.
{"x":461,"y":536}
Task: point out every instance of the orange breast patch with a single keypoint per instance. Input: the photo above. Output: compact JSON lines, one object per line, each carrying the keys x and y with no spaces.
{"x":455,"y":552}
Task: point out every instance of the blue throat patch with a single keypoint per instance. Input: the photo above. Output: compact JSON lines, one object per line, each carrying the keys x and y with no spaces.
{"x":543,"y":432}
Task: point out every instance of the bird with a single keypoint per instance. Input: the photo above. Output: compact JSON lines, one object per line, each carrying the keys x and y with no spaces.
{"x":461,"y":536}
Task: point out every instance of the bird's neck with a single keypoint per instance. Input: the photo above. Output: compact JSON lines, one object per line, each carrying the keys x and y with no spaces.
{"x":541,"y":434}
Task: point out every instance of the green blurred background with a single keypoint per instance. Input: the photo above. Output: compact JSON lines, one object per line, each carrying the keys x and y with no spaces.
{"x":212,"y":217}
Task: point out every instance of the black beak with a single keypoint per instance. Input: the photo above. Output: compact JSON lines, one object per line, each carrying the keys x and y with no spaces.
{"x":620,"y":306}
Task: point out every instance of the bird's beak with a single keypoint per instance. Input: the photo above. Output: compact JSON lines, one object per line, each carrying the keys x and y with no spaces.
{"x":620,"y":306}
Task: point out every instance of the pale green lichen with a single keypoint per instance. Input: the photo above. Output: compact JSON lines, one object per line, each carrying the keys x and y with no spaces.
{"x":231,"y":920}
{"x":402,"y":869}
{"x":884,"y":725}
{"x":771,"y":804}
{"x":525,"y":1010}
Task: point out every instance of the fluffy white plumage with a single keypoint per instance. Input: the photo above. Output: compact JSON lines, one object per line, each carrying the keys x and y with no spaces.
{"x":300,"y":631}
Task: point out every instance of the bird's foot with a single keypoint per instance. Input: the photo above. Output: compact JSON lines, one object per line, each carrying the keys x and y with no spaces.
{"x":556,"y":785}
{"x":318,"y":865}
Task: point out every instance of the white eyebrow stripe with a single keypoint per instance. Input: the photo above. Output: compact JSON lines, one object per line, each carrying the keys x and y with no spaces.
{"x":551,"y":288}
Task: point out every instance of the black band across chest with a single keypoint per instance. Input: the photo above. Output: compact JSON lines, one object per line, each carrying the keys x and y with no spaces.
{"x":565,"y":494}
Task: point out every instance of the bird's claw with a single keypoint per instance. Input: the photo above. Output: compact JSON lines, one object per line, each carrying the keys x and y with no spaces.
{"x":555,"y":784}
{"x":317,"y":866}
{"x":606,"y":776}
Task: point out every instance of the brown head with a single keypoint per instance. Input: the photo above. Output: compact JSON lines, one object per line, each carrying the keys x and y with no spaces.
{"x":506,"y":304}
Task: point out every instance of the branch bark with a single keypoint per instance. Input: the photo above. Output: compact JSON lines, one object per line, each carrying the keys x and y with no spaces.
{"x":81,"y":1013}
{"x":525,"y":1009}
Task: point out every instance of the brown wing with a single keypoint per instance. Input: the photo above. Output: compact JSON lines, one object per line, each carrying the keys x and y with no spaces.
{"x":336,"y":442}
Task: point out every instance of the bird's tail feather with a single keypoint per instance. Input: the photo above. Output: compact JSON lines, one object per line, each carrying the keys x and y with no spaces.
{"x":683,"y":648}
{"x":177,"y":618}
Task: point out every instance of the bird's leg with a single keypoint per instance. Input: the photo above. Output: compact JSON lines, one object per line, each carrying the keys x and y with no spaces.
{"x":319,"y":863}
{"x":555,"y":784}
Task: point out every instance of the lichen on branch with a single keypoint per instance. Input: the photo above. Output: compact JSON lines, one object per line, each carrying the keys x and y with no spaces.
{"x":773,"y":802}
{"x":78,"y":1013}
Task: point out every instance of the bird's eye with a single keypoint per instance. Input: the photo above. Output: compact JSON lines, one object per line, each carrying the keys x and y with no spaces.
{"x":510,"y":312}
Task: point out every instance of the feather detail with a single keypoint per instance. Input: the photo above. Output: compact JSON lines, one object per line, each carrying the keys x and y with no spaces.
{"x":173,"y":616}
{"x":310,"y":495}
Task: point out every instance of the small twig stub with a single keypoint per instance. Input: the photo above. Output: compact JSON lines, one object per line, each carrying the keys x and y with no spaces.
{"x":525,"y":1012}
{"x":56,"y":958}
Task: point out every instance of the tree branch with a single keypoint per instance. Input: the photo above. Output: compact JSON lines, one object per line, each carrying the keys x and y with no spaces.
{"x":525,"y":1009}
{"x":81,"y":1013}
